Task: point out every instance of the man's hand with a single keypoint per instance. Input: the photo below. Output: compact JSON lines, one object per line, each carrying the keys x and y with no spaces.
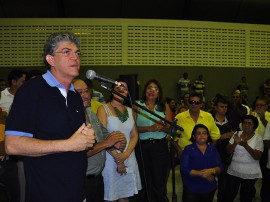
{"x":82,"y":139}
{"x":116,"y":139}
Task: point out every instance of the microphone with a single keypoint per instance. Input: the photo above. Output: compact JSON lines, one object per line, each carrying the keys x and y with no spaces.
{"x":90,"y":74}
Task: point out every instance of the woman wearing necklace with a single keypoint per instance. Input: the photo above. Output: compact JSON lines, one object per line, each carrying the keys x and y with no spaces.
{"x":244,"y":170}
{"x":121,"y":173}
{"x":200,"y":163}
{"x":153,"y":155}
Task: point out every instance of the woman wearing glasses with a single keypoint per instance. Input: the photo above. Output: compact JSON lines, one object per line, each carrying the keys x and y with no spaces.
{"x":244,"y":170}
{"x":153,"y":158}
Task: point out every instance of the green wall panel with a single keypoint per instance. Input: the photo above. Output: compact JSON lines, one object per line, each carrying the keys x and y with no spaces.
{"x":137,"y":42}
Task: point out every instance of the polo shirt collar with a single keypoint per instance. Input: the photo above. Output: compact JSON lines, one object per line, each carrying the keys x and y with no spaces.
{"x":224,"y":122}
{"x":51,"y":80}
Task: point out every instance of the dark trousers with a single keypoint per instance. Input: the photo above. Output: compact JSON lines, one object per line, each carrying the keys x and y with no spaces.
{"x":9,"y":178}
{"x":222,"y":183}
{"x":232,"y":187}
{"x":94,"y":188}
{"x":196,"y":197}
{"x":153,"y":164}
{"x":263,"y":163}
{"x":266,"y":186}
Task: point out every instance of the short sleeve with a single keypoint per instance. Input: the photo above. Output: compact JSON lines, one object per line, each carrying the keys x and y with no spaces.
{"x":267,"y":132}
{"x":23,"y":115}
{"x":259,"y":143}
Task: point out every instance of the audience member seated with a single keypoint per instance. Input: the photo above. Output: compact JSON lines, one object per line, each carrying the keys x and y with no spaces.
{"x":200,"y":163}
{"x":246,"y":148}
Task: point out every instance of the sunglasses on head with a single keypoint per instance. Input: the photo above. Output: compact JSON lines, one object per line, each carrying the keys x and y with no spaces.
{"x":194,"y":102}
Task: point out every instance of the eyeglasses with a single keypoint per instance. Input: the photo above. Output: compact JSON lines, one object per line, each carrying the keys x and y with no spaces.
{"x":68,"y":52}
{"x":150,"y":88}
{"x":194,"y":102}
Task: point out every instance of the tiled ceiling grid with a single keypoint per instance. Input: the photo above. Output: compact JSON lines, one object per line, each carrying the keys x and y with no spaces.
{"x":118,"y":42}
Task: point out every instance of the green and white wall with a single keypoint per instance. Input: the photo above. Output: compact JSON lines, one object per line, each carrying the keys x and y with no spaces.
{"x":161,"y":49}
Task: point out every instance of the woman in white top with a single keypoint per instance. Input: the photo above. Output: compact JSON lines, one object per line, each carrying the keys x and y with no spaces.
{"x":244,"y":170}
{"x":121,"y":173}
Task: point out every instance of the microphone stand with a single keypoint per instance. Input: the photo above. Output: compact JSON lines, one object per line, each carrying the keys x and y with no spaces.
{"x":172,"y":131}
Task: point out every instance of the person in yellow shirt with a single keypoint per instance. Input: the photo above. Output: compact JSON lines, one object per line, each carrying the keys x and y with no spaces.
{"x":261,"y":107}
{"x":3,"y":116}
{"x":188,"y":119}
{"x":95,"y":105}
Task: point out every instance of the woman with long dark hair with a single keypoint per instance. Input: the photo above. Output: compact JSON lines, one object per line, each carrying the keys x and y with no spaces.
{"x":153,"y":158}
{"x":121,"y":173}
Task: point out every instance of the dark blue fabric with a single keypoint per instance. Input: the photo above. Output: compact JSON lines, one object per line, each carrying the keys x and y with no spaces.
{"x":41,"y":110}
{"x":193,"y":158}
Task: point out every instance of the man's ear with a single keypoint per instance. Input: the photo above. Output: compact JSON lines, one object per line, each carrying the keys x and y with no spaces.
{"x":50,"y":59}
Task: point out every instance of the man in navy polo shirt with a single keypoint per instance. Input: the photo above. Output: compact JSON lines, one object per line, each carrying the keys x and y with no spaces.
{"x":46,"y":125}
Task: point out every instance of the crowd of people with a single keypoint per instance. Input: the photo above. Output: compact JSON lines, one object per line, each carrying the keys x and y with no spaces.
{"x":61,"y":141}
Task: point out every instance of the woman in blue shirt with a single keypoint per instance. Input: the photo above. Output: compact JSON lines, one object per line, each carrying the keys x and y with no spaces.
{"x":153,"y":158}
{"x":200,"y":163}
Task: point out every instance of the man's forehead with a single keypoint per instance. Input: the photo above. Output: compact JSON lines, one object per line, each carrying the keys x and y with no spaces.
{"x":80,"y":85}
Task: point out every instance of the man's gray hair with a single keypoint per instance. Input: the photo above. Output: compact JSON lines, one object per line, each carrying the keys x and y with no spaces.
{"x":52,"y":43}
